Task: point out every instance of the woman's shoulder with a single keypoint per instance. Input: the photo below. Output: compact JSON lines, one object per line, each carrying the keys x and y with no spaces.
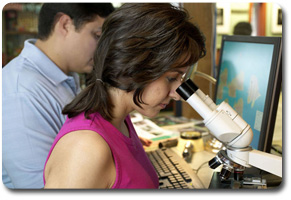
{"x":83,"y":154}
{"x":84,"y":141}
{"x":84,"y":138}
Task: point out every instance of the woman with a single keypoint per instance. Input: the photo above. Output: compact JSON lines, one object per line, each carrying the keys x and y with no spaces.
{"x":143,"y":52}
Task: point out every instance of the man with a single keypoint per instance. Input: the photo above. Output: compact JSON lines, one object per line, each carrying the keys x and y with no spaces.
{"x":41,"y":81}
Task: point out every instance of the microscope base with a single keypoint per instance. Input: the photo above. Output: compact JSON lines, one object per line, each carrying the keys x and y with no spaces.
{"x":253,"y":179}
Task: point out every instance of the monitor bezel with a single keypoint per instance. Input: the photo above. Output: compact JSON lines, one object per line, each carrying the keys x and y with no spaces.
{"x":273,"y":90}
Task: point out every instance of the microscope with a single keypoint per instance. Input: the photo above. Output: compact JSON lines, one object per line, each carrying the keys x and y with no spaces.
{"x":233,"y":132}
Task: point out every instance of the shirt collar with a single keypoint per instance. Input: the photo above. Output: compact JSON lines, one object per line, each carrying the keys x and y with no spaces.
{"x":43,"y":64}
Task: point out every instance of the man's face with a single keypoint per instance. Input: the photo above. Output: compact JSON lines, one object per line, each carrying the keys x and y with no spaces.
{"x":81,"y":45}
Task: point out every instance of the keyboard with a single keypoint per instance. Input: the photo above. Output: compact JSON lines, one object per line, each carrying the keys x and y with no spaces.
{"x":173,"y":171}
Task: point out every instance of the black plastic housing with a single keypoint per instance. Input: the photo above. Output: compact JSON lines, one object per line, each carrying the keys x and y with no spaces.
{"x":186,"y":89}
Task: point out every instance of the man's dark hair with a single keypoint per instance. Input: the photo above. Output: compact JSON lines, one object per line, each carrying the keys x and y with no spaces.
{"x":80,"y":13}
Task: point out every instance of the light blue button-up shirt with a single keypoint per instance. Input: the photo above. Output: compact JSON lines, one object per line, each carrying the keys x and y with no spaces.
{"x":34,"y":92}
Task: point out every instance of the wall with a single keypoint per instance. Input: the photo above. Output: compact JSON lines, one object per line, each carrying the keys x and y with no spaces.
{"x":240,"y":12}
{"x":270,"y":14}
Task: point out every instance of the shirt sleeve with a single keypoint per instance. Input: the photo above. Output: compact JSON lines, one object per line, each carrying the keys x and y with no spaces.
{"x":29,"y":127}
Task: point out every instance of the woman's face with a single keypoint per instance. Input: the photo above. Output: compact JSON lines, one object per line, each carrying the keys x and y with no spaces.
{"x":158,"y":94}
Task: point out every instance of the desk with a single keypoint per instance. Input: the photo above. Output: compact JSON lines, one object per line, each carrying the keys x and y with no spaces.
{"x":199,"y":159}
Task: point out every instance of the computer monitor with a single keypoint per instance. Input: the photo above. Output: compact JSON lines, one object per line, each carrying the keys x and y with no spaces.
{"x":249,"y":79}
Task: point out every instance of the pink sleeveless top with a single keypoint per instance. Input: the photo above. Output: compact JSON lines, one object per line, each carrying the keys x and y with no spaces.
{"x":133,"y":168}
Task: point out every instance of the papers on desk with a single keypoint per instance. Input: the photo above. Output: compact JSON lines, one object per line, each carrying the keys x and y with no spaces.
{"x":180,"y":124}
{"x":164,"y":127}
{"x":148,"y":129}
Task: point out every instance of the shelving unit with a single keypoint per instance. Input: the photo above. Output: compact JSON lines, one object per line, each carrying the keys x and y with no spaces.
{"x":19,"y":22}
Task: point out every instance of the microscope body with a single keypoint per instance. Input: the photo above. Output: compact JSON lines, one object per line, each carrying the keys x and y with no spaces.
{"x":231,"y":130}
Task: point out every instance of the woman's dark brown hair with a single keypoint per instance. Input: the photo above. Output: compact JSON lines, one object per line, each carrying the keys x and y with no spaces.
{"x":139,"y":43}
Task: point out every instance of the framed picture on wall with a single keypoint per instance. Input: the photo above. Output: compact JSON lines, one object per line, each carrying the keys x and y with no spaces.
{"x":223,"y":18}
{"x":276,"y":19}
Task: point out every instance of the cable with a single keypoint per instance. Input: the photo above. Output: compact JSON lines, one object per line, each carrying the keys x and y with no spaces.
{"x":197,"y":170}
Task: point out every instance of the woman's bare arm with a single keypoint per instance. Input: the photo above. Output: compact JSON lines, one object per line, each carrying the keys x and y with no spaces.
{"x":81,"y":159}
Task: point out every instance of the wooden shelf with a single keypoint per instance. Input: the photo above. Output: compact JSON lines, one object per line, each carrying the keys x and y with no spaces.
{"x":20,"y":33}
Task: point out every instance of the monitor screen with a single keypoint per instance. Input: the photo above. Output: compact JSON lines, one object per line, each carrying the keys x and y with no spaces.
{"x":249,"y":80}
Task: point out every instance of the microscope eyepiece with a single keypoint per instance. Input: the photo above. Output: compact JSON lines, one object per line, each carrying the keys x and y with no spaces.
{"x":186,"y":89}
